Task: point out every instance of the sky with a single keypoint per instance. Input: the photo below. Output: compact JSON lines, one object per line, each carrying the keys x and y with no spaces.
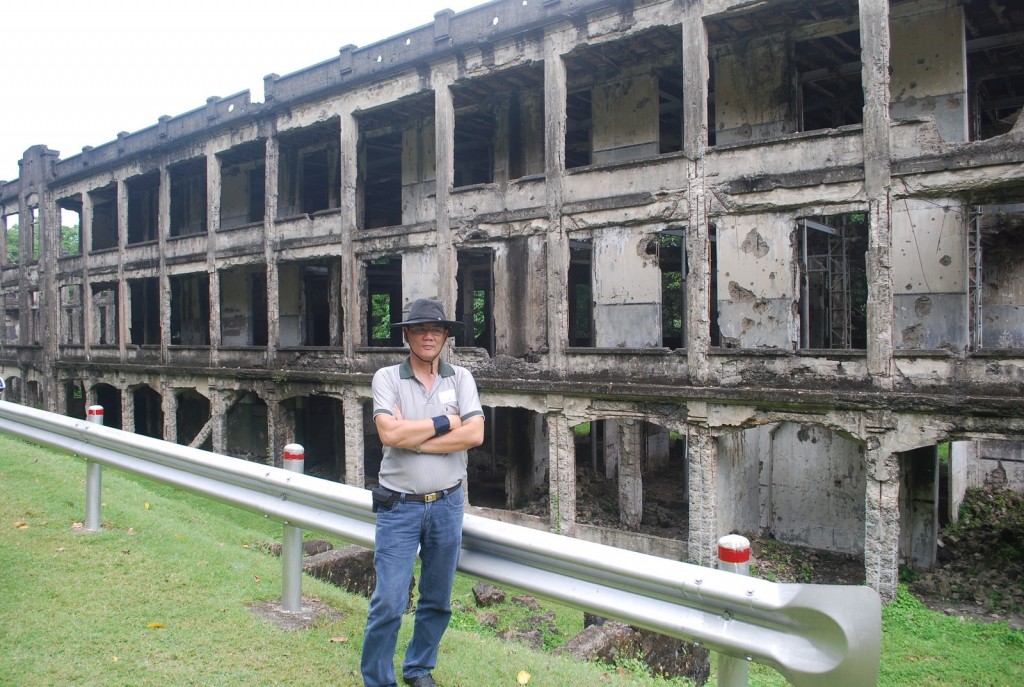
{"x":76,"y":72}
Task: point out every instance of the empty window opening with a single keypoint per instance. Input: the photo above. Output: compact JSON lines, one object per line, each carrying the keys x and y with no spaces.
{"x":35,"y":236}
{"x":995,"y":68}
{"x":12,"y":319}
{"x":74,"y":392}
{"x":143,"y":207}
{"x":192,"y":420}
{"x":243,"y":306}
{"x":309,"y":169}
{"x":475,"y":301}
{"x":499,"y":126}
{"x":829,"y":73}
{"x":188,"y":197}
{"x":632,"y":475}
{"x":581,"y":293}
{"x":148,"y":413}
{"x":110,"y":398}
{"x":12,"y":240}
{"x":384,"y":301}
{"x":36,"y":332}
{"x":997,"y":275}
{"x":624,"y":99}
{"x":104,"y":217}
{"x":144,"y":297}
{"x":243,"y":173}
{"x":671,"y":248}
{"x":190,"y":310}
{"x":833,"y":299}
{"x":715,"y":335}
{"x":396,"y":162}
{"x":509,"y":471}
{"x":305,"y":304}
{"x":247,"y":428}
{"x":320,"y":429}
{"x":71,"y":314}
{"x":70,"y":225}
{"x":104,"y":314}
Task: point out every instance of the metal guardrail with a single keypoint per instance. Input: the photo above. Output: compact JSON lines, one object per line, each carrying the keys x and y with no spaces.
{"x":812,"y":634}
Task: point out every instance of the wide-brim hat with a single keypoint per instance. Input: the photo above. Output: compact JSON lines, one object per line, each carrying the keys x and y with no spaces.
{"x":427,"y":311}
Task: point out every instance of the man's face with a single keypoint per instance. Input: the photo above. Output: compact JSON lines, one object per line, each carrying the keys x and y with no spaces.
{"x":426,"y":340}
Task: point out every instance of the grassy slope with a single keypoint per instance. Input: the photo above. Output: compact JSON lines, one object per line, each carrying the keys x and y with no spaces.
{"x":77,"y":608}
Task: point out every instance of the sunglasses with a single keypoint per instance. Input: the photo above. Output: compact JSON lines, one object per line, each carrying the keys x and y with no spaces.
{"x":422,"y":329}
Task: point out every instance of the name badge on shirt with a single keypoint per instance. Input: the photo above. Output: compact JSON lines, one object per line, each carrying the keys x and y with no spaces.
{"x":446,"y":396}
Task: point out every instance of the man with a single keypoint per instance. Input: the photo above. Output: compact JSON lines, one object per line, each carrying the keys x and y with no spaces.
{"x":428,"y":415}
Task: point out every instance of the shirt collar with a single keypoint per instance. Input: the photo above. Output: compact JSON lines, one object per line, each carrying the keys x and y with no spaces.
{"x":443,"y":369}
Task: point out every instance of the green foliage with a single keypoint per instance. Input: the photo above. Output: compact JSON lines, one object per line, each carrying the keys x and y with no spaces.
{"x":70,"y":240}
{"x":380,"y":312}
{"x":13,"y":243}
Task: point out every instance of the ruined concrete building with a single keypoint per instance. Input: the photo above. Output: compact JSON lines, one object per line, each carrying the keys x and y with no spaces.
{"x":743,"y":266}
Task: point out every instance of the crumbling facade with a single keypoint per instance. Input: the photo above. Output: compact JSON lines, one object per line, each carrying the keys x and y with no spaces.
{"x":747,"y":265}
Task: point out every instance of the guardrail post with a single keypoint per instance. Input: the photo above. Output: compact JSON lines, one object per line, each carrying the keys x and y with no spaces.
{"x":733,"y":556}
{"x":291,"y":543}
{"x":93,"y":479}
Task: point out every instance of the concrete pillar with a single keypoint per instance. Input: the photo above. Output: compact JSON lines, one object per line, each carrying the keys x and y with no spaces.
{"x":169,"y":404}
{"x":355,"y":466}
{"x":874,"y":41}
{"x":881,"y":519}
{"x":562,"y":490}
{"x":555,"y":88}
{"x":349,"y":172}
{"x":269,"y":243}
{"x":219,"y":403}
{"x":702,"y":448}
{"x":629,"y":438}
{"x":698,"y":243}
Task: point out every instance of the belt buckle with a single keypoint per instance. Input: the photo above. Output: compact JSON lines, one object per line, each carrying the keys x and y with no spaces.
{"x":431,"y":497}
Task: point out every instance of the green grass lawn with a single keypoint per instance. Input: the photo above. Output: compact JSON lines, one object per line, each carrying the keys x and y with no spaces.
{"x":161,"y":596}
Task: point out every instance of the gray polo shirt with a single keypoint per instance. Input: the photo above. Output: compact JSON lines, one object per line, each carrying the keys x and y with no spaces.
{"x":454,"y":393}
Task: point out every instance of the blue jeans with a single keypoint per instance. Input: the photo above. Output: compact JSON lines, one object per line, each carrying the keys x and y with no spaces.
{"x":436,"y":530}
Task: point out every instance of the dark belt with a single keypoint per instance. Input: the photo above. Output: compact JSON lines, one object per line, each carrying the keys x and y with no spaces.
{"x":427,"y":498}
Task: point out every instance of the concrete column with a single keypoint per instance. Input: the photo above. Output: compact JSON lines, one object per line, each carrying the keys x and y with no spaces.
{"x":355,"y":465}
{"x":874,"y":41}
{"x":698,"y":243}
{"x":169,"y":403}
{"x":562,"y":489}
{"x":444,"y":163}
{"x":702,"y":448}
{"x":555,"y":85}
{"x":128,"y":406}
{"x":213,"y":186}
{"x":163,"y":230}
{"x":631,"y":451}
{"x":219,"y":403}
{"x":353,"y":325}
{"x":881,"y":519}
{"x":269,"y":241}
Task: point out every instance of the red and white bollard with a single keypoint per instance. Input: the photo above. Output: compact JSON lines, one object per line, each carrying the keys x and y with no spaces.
{"x":93,"y":479}
{"x":733,"y":556}
{"x":291,"y":542}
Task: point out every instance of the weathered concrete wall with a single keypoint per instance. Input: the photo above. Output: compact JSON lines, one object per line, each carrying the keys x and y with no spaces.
{"x":929,"y":257}
{"x":756,"y":280}
{"x":751,"y":88}
{"x":929,"y":73}
{"x":625,"y":115}
{"x":627,"y":290}
{"x":809,"y":485}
